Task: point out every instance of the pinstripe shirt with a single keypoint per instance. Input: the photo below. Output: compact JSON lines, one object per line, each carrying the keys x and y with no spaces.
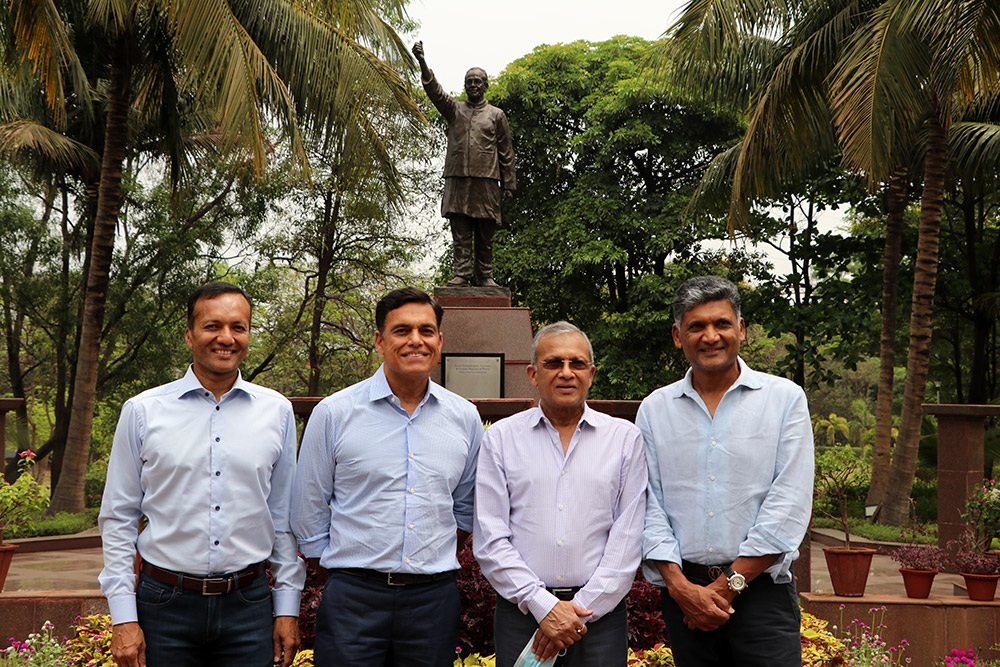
{"x":548,"y":519}
{"x":380,"y":489}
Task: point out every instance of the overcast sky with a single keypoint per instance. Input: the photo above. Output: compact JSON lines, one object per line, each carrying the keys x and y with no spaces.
{"x":459,"y":34}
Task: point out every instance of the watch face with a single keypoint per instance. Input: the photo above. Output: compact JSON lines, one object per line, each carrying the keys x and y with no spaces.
{"x":737,"y":582}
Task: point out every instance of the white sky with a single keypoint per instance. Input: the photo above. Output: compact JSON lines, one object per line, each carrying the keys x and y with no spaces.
{"x":459,"y":34}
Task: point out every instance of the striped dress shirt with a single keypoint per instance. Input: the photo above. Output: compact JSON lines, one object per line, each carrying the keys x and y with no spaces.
{"x":548,"y":519}
{"x":380,"y":489}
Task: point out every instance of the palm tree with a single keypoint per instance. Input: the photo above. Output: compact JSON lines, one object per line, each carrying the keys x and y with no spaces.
{"x":911,"y":68}
{"x":775,"y":64}
{"x":224,"y":68}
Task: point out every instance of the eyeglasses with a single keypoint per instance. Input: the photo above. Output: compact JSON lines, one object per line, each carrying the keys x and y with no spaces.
{"x":557,"y":364}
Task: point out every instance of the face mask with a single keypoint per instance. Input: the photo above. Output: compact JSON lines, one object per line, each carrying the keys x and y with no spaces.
{"x":528,"y":658}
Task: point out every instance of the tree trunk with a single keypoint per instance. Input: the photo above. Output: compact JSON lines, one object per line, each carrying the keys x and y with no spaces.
{"x":887,"y":347}
{"x":68,"y":495}
{"x":895,"y":504}
{"x":331,"y":214}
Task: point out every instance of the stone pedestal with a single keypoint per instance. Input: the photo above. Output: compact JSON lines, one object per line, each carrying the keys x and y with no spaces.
{"x":960,"y":461}
{"x":480,"y":320}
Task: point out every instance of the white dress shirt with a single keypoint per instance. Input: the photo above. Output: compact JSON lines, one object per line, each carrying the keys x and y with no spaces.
{"x":548,"y":519}
{"x":214,"y":478}
{"x":738,"y":484}
{"x":380,"y":489}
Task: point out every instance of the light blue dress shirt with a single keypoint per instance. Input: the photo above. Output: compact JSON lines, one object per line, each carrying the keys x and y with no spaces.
{"x":738,"y":484}
{"x":544,"y":518}
{"x":214,"y":478}
{"x":380,"y":489}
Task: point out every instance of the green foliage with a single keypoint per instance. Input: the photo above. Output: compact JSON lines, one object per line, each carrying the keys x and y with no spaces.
{"x":40,"y":649}
{"x":606,"y":162}
{"x":819,"y":647}
{"x":22,"y":499}
{"x":874,"y":531}
{"x":982,"y":512}
{"x":91,"y":644}
{"x":61,"y":523}
{"x":97,"y":473}
{"x":839,"y":471}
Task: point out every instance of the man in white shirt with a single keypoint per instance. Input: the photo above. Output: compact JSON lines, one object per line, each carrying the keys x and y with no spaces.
{"x":209,"y":460}
{"x":560,"y":497}
{"x":730,"y":458}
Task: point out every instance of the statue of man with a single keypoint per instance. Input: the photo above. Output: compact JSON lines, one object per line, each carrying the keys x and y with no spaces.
{"x":479,"y":166}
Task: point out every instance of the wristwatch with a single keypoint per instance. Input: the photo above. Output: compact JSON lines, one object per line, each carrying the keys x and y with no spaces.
{"x":737,"y":582}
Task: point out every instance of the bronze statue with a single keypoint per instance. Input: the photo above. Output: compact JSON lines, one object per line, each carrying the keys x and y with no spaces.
{"x":478,"y":167}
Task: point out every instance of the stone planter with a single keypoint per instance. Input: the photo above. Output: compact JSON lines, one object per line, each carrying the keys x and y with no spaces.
{"x":848,"y":569}
{"x":917,"y":582}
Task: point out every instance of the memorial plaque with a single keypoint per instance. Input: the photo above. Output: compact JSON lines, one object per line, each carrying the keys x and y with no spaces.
{"x":473,"y":375}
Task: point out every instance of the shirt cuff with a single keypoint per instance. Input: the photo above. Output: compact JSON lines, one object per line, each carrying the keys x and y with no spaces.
{"x":541,"y":603}
{"x":314,"y":548}
{"x":122,"y":609}
{"x":286,"y":602}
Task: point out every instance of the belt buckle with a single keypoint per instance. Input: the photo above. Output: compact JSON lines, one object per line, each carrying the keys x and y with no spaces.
{"x":388,"y":580}
{"x":556,"y":591}
{"x":217,"y":580}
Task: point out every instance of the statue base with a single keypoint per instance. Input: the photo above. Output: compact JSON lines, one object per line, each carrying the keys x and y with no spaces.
{"x":480,"y":320}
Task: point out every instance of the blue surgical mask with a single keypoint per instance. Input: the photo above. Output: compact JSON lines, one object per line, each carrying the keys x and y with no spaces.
{"x":529,"y":659}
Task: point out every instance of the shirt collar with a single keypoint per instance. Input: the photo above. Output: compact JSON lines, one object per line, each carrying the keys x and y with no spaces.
{"x":588,"y":416}
{"x":748,"y":378}
{"x":380,"y":388}
{"x":190,"y":383}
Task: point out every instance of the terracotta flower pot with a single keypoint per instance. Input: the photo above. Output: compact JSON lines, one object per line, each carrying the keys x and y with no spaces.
{"x":917,"y":582}
{"x":6,"y":554}
{"x":981,"y":587}
{"x":848,"y":569}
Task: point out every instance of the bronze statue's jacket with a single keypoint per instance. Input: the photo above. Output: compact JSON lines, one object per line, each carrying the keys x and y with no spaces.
{"x":479,"y":143}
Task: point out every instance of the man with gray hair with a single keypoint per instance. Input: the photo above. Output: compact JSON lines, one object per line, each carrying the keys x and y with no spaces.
{"x":730,"y":458}
{"x":560,"y":497}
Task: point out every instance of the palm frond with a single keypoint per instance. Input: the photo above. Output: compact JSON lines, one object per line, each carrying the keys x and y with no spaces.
{"x":29,"y":139}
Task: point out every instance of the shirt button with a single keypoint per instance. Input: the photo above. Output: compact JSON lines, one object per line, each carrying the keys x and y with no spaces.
{"x":712,"y":478}
{"x":560,"y":508}
{"x":559,"y":543}
{"x":409,"y":423}
{"x":411,"y":526}
{"x":217,"y":508}
{"x":411,"y":490}
{"x":217,"y":542}
{"x":206,"y":393}
{"x":218,"y":472}
{"x":713,"y":443}
{"x":407,"y":561}
{"x":711,"y":550}
{"x":411,"y":456}
{"x":563,"y":473}
{"x":217,"y":439}
{"x":559,"y":578}
{"x":216,"y":407}
{"x":711,"y":514}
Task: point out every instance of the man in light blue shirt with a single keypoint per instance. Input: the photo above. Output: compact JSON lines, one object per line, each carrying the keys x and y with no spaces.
{"x":383,"y":499}
{"x":209,"y":460}
{"x":730,"y":458}
{"x":560,"y":497}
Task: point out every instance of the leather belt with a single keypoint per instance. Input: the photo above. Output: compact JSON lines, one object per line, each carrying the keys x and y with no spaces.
{"x":395,"y":578}
{"x":699,"y":571}
{"x":564,"y":593}
{"x":220,"y":585}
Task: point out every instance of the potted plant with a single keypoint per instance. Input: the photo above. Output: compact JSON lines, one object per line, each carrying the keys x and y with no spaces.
{"x":979,"y":570}
{"x":838,"y":471}
{"x":918,"y":564}
{"x":982,"y":513}
{"x":18,"y":504}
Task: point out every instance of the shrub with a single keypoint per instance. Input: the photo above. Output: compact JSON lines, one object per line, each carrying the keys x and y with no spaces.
{"x":91,"y":645}
{"x":40,"y":649}
{"x":646,"y":628}
{"x":920,"y":557}
{"x":63,"y":523}
{"x":478,"y":599}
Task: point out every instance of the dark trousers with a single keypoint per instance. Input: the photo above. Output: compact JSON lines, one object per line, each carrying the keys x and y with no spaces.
{"x":764,"y":630}
{"x":184,"y":628}
{"x":366,"y":623}
{"x":468,"y":234}
{"x":604,"y":645}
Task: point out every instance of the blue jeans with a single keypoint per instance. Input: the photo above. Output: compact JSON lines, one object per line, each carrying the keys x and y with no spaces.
{"x":764,"y":630}
{"x":187,"y":629}
{"x":366,"y":623}
{"x":604,"y":645}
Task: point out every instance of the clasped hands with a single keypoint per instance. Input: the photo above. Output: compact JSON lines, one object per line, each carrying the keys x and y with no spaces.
{"x":561,"y":627}
{"x":705,"y":608}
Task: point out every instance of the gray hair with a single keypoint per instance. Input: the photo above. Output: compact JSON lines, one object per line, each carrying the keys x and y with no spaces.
{"x":558,"y":329}
{"x":703,"y":289}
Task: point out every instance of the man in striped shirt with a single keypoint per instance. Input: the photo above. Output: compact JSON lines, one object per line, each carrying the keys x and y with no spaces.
{"x":560,"y":497}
